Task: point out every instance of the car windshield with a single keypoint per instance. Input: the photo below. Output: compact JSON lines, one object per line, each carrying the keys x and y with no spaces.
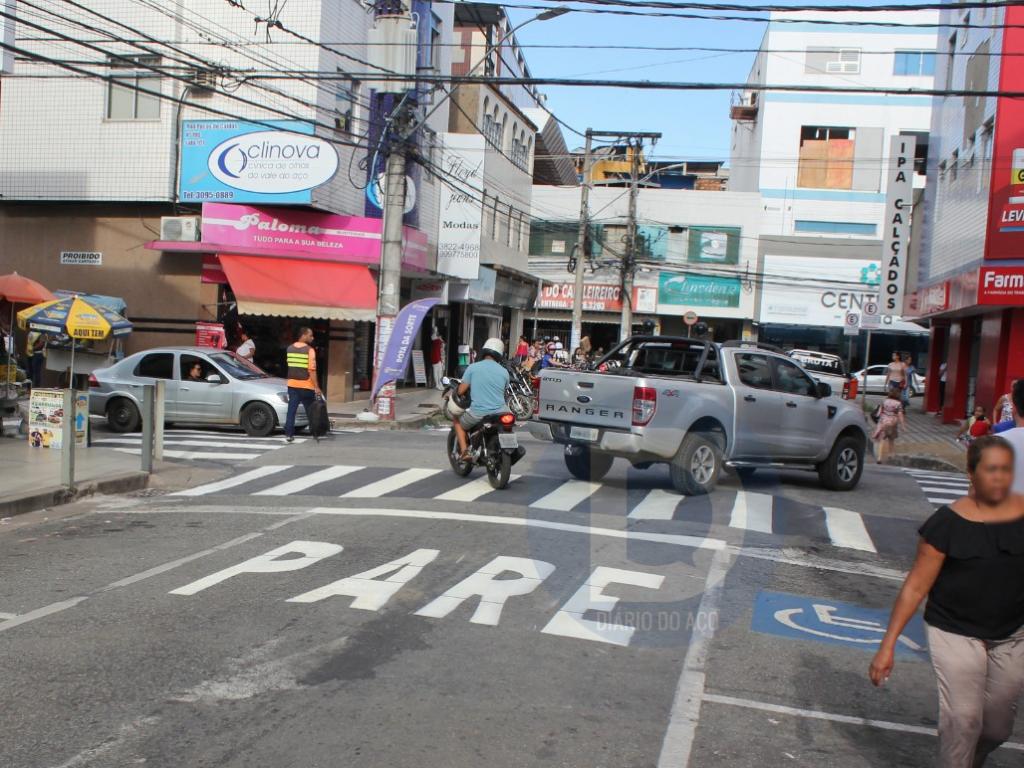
{"x":238,"y":367}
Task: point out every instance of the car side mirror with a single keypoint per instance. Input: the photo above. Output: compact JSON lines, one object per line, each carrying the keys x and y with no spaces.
{"x":823,"y":390}
{"x":215,"y":378}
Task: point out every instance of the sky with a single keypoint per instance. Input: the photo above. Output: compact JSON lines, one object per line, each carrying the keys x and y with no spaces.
{"x":694,"y":124}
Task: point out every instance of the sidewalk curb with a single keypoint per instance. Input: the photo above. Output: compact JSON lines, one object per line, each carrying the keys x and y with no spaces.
{"x":57,"y":495}
{"x":923,"y":461}
{"x":418,"y":421}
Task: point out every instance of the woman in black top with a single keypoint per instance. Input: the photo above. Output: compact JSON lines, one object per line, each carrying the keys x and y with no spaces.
{"x":970,"y":564}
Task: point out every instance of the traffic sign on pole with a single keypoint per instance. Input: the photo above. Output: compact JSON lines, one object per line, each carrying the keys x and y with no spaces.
{"x":851,"y":325}
{"x":870,"y":317}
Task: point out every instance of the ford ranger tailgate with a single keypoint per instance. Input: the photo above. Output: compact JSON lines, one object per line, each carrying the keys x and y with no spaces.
{"x":601,"y":399}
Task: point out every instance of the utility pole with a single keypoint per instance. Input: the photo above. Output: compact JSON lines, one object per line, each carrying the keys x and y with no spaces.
{"x":393,"y":193}
{"x":581,"y":252}
{"x":629,"y":262}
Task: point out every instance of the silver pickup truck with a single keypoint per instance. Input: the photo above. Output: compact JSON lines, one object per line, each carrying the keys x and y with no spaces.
{"x":699,"y":406}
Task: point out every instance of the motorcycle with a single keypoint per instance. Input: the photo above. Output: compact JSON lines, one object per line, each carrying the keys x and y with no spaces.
{"x":519,"y":393}
{"x":492,"y":443}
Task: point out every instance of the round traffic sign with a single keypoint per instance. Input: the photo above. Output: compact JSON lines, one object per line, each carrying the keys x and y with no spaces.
{"x":690,"y":318}
{"x":852,"y":319}
{"x":870,"y":308}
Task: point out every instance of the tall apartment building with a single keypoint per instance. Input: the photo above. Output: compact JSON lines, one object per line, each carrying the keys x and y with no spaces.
{"x":817,"y":159}
{"x":970,"y":277}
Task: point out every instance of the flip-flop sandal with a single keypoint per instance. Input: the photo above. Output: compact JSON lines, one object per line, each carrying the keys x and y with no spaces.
{"x":467,"y":456}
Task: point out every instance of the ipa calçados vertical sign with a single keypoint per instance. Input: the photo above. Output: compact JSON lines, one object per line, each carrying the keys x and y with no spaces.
{"x":899,"y":200}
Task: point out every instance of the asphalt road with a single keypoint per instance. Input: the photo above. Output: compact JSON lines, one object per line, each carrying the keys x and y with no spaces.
{"x":351,"y":602}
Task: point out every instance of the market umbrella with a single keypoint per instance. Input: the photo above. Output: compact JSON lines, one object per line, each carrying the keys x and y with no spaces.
{"x":76,"y":317}
{"x":18,"y":289}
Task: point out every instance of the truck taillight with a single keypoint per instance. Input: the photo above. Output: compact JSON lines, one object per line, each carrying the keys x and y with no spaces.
{"x":850,"y":389}
{"x":535,"y":383}
{"x":93,"y":381}
{"x":645,"y":403}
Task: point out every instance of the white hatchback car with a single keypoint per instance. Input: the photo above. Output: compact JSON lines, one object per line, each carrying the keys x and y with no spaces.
{"x":202,"y":386}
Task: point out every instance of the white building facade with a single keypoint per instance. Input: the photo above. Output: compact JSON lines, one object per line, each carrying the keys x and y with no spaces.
{"x":818,"y":160}
{"x":92,"y":157}
{"x":697,"y":253}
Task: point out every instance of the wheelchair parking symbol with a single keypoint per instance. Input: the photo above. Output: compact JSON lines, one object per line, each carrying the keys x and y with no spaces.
{"x":830,"y":621}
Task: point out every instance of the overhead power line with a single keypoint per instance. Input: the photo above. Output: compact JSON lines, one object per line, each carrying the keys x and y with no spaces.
{"x":672,"y":85}
{"x":805,"y":8}
{"x":758,"y":19}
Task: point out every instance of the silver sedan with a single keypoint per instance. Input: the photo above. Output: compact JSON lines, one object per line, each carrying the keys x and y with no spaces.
{"x":202,"y":385}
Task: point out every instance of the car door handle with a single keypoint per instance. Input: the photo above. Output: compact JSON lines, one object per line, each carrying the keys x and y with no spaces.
{"x":750,"y":398}
{"x":791,"y":404}
{"x":186,"y":389}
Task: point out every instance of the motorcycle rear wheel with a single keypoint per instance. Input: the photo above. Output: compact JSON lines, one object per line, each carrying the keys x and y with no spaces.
{"x":498,"y":471}
{"x":459,"y":467}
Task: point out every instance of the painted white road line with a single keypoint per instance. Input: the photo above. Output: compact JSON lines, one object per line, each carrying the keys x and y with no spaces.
{"x":567,"y":495}
{"x":229,"y":435}
{"x":48,"y":610}
{"x":813,"y":714}
{"x":656,"y":505}
{"x":677,"y":743}
{"x":390,"y":484}
{"x":6,"y":616}
{"x":194,"y":454}
{"x":945,"y":488}
{"x":308,"y":481}
{"x":255,"y":446}
{"x":231,"y":482}
{"x":472,"y":491}
{"x":846,"y":529}
{"x":752,"y":511}
{"x":679,"y":540}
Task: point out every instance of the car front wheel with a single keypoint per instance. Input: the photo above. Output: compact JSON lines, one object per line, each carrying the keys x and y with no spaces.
{"x":842,"y":469}
{"x":258,"y":419}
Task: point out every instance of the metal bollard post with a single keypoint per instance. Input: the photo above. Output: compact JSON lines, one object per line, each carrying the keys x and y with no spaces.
{"x":158,"y":420}
{"x":148,"y":403}
{"x":67,"y":448}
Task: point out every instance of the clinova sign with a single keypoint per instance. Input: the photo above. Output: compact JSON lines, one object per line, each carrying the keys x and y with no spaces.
{"x":898,"y":204}
{"x":273,"y":162}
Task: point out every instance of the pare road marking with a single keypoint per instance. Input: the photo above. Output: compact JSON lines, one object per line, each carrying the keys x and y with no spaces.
{"x":494,"y":584}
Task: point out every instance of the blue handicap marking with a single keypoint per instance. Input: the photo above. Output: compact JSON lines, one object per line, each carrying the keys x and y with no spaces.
{"x":830,"y":621}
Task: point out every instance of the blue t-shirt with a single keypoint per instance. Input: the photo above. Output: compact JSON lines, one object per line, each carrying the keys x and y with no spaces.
{"x":487,"y":383}
{"x":545,"y":362}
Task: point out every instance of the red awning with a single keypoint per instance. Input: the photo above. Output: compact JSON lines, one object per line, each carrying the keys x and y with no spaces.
{"x":286,"y":287}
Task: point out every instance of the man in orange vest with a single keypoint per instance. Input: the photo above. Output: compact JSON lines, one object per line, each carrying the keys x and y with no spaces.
{"x":302,"y":384}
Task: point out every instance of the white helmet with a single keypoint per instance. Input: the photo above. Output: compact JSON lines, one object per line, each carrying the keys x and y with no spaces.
{"x":494,"y":346}
{"x":452,"y":409}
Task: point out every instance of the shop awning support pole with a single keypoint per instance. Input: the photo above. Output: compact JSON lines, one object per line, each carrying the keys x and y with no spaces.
{"x":581,"y":253}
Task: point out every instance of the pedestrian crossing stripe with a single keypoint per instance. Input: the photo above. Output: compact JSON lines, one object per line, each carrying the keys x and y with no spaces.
{"x":941,"y":487}
{"x":195,"y":445}
{"x":753,"y":513}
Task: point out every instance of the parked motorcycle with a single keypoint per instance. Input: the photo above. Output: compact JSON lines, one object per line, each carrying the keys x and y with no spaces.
{"x":493,"y":442}
{"x":519,"y":395}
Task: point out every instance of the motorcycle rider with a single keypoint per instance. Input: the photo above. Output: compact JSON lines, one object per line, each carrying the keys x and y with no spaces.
{"x":486,"y":380}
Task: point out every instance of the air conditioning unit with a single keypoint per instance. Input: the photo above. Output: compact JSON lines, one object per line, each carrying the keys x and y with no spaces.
{"x":179,"y":229}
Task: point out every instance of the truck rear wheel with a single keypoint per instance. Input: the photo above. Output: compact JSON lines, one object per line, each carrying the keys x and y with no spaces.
{"x":584,"y":464}
{"x":697,"y":466}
